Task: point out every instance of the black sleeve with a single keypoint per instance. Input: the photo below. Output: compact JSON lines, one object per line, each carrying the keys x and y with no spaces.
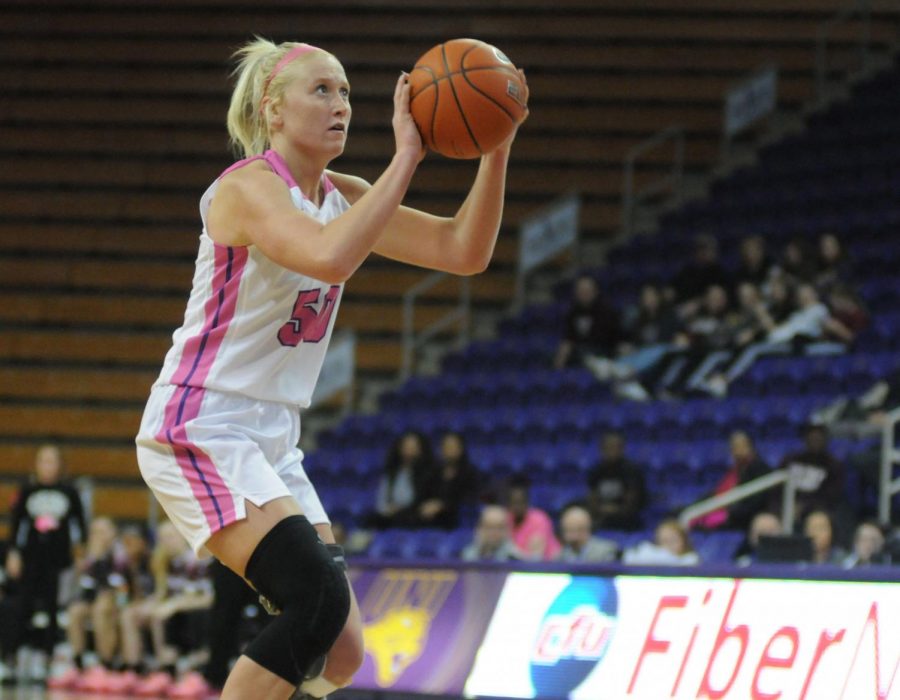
{"x":76,"y":517}
{"x":741,"y":513}
{"x":16,"y":517}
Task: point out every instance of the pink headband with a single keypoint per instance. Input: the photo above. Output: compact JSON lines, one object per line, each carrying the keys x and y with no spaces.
{"x":298,"y":50}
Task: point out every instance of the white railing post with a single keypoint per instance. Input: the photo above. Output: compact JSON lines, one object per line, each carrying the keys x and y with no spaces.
{"x":888,"y":486}
{"x":460,"y":314}
{"x":632,"y":195}
{"x":739,"y":493}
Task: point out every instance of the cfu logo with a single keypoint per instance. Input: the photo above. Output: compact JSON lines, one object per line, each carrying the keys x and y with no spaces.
{"x":574,"y":636}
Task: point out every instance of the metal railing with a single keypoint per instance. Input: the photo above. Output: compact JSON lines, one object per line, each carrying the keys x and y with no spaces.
{"x":460,"y":314}
{"x":632,"y":196}
{"x":890,"y":455}
{"x":780,"y":477}
{"x":860,"y":8}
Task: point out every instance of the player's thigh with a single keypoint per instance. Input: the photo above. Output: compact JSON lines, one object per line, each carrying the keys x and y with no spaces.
{"x":234,"y":544}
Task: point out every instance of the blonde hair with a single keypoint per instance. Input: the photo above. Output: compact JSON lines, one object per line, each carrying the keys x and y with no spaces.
{"x":248,"y":126}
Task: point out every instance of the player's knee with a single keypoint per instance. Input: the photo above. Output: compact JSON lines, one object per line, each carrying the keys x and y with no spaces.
{"x":293,"y":569}
{"x":346,"y":656}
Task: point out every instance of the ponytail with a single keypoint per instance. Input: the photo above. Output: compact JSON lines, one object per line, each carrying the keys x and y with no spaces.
{"x":259,"y":72}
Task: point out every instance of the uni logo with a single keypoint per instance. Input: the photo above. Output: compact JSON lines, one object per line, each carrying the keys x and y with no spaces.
{"x":401,"y":604}
{"x":574,"y":636}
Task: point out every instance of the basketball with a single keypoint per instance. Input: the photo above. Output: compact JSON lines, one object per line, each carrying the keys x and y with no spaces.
{"x":466,"y":98}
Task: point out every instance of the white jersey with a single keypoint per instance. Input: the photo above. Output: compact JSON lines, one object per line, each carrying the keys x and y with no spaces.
{"x":251,"y":326}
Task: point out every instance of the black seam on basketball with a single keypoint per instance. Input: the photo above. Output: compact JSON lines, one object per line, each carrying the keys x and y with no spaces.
{"x":487,"y":96}
{"x":437,"y":96}
{"x":456,"y":97}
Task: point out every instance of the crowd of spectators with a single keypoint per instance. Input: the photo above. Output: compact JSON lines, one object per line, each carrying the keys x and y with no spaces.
{"x":140,"y":612}
{"x":702,"y":329}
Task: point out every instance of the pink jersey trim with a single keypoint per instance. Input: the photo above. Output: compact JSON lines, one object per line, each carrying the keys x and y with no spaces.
{"x":277,"y":163}
{"x":196,"y":362}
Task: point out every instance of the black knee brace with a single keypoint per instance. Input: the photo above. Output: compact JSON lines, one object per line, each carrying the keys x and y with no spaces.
{"x":293,"y":568}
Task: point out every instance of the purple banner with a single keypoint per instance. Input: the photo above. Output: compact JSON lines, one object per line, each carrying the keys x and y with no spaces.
{"x":423,"y":627}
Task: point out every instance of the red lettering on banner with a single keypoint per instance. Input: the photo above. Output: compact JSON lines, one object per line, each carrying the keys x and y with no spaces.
{"x":826,"y":639}
{"x":583,"y":637}
{"x":872,"y":619}
{"x":687,"y":652}
{"x":742,"y":634}
{"x":652,"y":645}
{"x":769,"y":661}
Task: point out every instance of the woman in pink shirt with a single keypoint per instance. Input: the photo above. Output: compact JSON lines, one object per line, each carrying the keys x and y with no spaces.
{"x":531,"y":528}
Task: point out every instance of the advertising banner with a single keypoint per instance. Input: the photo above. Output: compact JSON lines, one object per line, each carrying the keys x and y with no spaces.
{"x":650,"y":638}
{"x":422,"y":627}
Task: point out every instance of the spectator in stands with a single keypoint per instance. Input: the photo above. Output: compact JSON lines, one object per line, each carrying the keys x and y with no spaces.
{"x":406,"y":469}
{"x":848,"y":316}
{"x":763,"y":523}
{"x":592,"y":328}
{"x":797,"y":264}
{"x":671,"y":545}
{"x":708,"y":331}
{"x":746,"y":465}
{"x":820,"y":474}
{"x":530,"y":528}
{"x":181,"y":585}
{"x":101,"y":577}
{"x":492,"y":538}
{"x":697,"y":276}
{"x":452,"y":484}
{"x":807,"y":322}
{"x":819,"y":527}
{"x":616,"y":489}
{"x":755,"y":265}
{"x":47,"y":523}
{"x":135,"y":557}
{"x":579,"y":545}
{"x":832,"y":265}
{"x":868,"y":546}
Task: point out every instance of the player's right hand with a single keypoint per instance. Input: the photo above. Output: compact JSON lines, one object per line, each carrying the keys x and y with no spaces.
{"x":406,"y":133}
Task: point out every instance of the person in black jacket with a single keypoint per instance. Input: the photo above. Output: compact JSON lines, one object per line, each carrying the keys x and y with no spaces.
{"x":617,"y":491}
{"x":47,"y":521}
{"x":453,"y":483}
{"x":592,"y":327}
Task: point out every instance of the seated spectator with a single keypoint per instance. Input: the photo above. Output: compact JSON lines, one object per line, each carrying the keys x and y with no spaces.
{"x":817,"y":525}
{"x":807,"y":323}
{"x":406,"y":469}
{"x":755,"y":265}
{"x":848,"y":317}
{"x":592,"y":328}
{"x":832,"y":264}
{"x":531,"y":528}
{"x":868,"y":546}
{"x":702,"y":272}
{"x":492,"y":538}
{"x":100,"y":578}
{"x":181,"y":586}
{"x":710,"y":330}
{"x":579,"y":545}
{"x":671,"y":546}
{"x":797,"y":264}
{"x":863,"y":415}
{"x":616,"y":490}
{"x":746,"y":465}
{"x":452,"y":484}
{"x":763,"y":524}
{"x":820,"y":474}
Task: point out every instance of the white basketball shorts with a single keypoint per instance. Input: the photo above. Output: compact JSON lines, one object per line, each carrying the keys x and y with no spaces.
{"x":205,"y":453}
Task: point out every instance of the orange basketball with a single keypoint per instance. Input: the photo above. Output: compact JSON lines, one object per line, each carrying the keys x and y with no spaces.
{"x":466,"y":97}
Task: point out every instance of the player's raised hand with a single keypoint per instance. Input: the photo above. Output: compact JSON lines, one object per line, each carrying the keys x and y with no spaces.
{"x":406,"y":133}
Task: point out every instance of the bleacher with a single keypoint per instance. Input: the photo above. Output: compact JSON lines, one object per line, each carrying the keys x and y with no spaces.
{"x":112,"y":125}
{"x":519,"y":416}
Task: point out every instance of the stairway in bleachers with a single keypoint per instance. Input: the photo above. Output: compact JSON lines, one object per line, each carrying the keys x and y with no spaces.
{"x":112,"y":125}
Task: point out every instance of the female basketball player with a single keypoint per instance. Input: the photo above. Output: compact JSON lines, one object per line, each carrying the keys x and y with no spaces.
{"x":281,"y":234}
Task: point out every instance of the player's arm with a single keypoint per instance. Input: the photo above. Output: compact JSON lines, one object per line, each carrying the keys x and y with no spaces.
{"x":462,"y":244}
{"x":252,"y":206}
